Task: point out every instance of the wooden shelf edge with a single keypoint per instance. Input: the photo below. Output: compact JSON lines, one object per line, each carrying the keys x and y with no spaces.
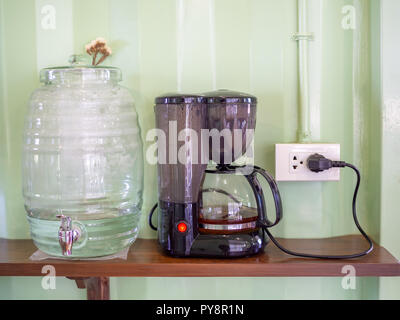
{"x":146,"y":260}
{"x":161,"y":270}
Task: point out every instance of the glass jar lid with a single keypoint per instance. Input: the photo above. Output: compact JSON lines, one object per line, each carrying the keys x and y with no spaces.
{"x":80,"y":70}
{"x":85,"y":73}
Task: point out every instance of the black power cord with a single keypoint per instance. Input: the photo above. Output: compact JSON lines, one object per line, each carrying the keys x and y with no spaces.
{"x":151,"y":216}
{"x":318,"y":163}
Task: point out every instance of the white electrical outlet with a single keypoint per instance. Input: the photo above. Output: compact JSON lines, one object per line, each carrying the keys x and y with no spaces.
{"x":291,"y":162}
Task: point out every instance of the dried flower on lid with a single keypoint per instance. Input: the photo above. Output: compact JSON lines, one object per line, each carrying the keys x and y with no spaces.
{"x":96,"y":47}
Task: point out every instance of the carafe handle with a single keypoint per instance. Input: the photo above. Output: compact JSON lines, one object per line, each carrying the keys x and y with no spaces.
{"x":262,"y":208}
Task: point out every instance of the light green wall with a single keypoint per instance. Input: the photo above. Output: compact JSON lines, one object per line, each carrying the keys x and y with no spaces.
{"x":18,"y":79}
{"x":195,"y":45}
{"x":195,"y":288}
{"x":390,"y":131}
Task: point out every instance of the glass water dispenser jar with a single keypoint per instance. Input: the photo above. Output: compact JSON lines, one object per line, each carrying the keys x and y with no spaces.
{"x":82,"y":163}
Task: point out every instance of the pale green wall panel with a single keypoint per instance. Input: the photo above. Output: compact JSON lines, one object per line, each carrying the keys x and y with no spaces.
{"x":90,"y":20}
{"x":240,"y":288}
{"x":193,"y":288}
{"x":30,"y":288}
{"x":375,"y":127}
{"x":19,"y":78}
{"x":199,"y":45}
{"x":3,"y":130}
{"x":390,"y":95}
{"x":54,"y":37}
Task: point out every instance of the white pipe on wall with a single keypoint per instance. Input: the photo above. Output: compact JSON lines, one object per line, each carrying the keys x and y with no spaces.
{"x":304,"y":132}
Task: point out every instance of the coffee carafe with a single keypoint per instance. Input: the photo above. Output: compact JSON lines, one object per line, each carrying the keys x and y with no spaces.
{"x":208,"y":206}
{"x":232,"y":201}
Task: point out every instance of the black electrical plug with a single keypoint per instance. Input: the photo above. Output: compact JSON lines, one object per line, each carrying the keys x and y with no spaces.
{"x":318,"y":163}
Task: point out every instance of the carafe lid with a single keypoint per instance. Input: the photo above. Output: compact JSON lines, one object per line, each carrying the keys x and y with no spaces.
{"x":228,"y":96}
{"x":179,"y":98}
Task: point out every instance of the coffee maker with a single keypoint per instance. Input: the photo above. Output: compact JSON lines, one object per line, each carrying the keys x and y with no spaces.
{"x":209,"y":207}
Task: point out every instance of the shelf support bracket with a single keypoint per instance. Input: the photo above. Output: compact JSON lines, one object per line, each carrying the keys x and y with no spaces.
{"x":97,"y":288}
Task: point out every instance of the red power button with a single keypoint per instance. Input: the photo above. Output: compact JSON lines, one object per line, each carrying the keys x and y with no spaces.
{"x":182,"y":227}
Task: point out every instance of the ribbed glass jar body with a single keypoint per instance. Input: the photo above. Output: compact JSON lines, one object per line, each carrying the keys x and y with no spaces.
{"x":82,"y":158}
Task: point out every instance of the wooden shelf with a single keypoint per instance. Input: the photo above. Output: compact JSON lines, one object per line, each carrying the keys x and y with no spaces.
{"x":146,"y":260}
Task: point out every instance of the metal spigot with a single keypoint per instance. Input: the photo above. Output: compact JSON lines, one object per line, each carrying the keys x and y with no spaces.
{"x":66,"y":235}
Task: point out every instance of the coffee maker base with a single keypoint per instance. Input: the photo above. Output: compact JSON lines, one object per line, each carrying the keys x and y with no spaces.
{"x":179,"y":235}
{"x":229,"y":246}
{"x":225,"y":246}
